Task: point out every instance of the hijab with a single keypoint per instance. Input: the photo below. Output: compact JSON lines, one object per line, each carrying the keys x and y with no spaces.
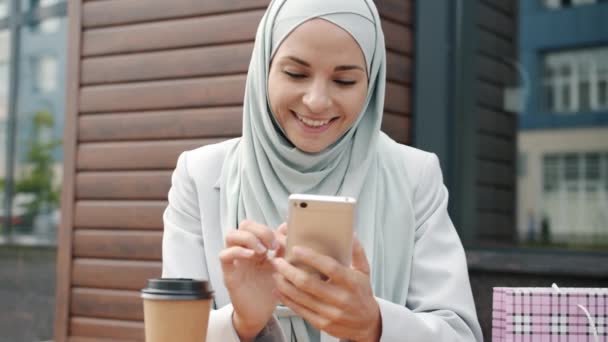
{"x":264,"y":167}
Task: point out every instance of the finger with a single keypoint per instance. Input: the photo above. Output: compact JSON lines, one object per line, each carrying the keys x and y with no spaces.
{"x":360,"y":262}
{"x":262,"y":232}
{"x":281,"y":241}
{"x":319,"y":322}
{"x":229,"y":255}
{"x":282,"y":228}
{"x":311,"y":283}
{"x":309,"y":301}
{"x":327,"y":265}
{"x":245,"y":239}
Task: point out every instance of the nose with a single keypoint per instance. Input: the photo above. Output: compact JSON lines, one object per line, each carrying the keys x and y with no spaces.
{"x":317,"y":98}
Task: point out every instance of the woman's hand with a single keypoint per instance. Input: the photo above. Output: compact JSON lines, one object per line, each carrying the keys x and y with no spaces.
{"x":343,"y":306}
{"x":248,"y":275}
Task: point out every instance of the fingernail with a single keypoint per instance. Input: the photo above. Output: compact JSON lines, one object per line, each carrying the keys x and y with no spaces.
{"x":260,"y":248}
{"x":275,"y":245}
{"x":271,"y":254}
{"x":248,"y":252}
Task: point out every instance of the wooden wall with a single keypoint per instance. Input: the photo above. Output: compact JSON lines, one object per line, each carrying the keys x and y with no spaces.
{"x":497,"y":128}
{"x":147,"y":80}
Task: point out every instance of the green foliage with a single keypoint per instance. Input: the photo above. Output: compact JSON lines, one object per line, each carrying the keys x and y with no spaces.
{"x":38,"y":178}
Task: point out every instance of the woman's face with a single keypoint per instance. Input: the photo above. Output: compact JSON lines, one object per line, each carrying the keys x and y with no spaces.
{"x":317,"y":84}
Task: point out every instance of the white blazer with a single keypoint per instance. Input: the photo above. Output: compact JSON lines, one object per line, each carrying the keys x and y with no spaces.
{"x":193,"y":239}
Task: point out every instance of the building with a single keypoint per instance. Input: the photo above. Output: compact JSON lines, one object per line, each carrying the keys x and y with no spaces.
{"x":563,"y":129}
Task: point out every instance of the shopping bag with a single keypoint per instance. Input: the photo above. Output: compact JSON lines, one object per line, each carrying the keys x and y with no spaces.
{"x":548,"y":314}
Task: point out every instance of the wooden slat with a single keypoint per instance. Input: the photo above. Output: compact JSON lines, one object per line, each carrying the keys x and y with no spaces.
{"x":217,"y":29}
{"x":172,"y":124}
{"x":147,"y":155}
{"x":119,"y":214}
{"x":184,"y":93}
{"x":194,"y":62}
{"x":397,"y":98}
{"x":115,"y":12}
{"x":495,"y":173}
{"x":398,"y":68}
{"x":496,"y":21}
{"x":497,"y":226}
{"x":64,"y":232}
{"x":84,"y":328}
{"x":396,"y":10}
{"x":490,"y":95}
{"x":118,"y":244}
{"x":498,"y":123}
{"x":111,"y":304}
{"x":88,"y":339}
{"x":507,"y":6}
{"x":216,"y":91}
{"x":127,"y":185}
{"x":397,"y":127}
{"x":496,"y":200}
{"x":398,"y":37}
{"x":496,"y":148}
{"x":114,"y":274}
{"x":496,"y":71}
{"x":492,"y":45}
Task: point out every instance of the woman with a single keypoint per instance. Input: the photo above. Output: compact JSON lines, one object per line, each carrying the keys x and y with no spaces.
{"x":311,"y":124}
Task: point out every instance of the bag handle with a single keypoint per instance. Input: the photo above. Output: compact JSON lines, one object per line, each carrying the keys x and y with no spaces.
{"x":589,"y":318}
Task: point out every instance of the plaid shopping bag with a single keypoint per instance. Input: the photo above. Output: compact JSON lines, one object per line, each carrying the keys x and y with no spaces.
{"x":547,"y":314}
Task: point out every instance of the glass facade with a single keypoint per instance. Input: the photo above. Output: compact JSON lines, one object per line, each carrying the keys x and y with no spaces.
{"x":32,"y":68}
{"x":37,"y":168}
{"x":4,"y":96}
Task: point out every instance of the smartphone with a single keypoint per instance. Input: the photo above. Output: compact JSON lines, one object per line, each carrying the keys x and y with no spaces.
{"x":322,"y":223}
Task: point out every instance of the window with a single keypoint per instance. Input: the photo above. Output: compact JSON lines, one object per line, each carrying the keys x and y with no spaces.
{"x":575,"y":197}
{"x":551,"y":173}
{"x":556,"y":4}
{"x":3,"y":8}
{"x":575,"y":81}
{"x":44,"y":73}
{"x":27,"y":5}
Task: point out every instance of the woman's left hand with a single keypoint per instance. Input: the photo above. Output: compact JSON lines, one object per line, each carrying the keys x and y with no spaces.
{"x":343,"y":306}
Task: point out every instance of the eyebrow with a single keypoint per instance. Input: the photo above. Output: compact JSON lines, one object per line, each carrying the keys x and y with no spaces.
{"x":338,"y":68}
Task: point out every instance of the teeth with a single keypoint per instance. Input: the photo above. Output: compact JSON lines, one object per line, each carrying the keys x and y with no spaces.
{"x":313,"y":123}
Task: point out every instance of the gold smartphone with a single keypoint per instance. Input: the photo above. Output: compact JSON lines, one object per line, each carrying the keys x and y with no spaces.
{"x":322,"y":223}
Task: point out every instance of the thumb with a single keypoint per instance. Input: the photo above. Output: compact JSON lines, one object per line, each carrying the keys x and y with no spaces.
{"x":360,"y":262}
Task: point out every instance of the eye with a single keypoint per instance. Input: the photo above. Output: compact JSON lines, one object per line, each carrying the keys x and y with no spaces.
{"x":345,"y":83}
{"x":293,"y":74}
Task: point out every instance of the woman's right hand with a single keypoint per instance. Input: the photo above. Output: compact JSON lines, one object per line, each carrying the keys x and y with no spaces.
{"x":248,"y":275}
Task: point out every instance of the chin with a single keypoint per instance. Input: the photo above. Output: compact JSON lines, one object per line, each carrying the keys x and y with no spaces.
{"x":309,"y":148}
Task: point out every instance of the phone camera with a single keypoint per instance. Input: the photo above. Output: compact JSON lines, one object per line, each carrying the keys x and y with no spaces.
{"x":303,"y":205}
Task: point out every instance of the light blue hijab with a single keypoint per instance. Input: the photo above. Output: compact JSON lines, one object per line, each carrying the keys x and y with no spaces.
{"x":264,"y":168}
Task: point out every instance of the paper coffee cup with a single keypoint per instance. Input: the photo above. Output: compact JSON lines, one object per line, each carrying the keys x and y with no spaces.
{"x":176,"y":309}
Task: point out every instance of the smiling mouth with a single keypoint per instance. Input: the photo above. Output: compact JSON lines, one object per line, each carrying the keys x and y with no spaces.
{"x":312,"y":123}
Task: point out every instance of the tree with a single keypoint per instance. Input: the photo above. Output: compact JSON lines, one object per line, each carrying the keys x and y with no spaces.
{"x":38,"y":177}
